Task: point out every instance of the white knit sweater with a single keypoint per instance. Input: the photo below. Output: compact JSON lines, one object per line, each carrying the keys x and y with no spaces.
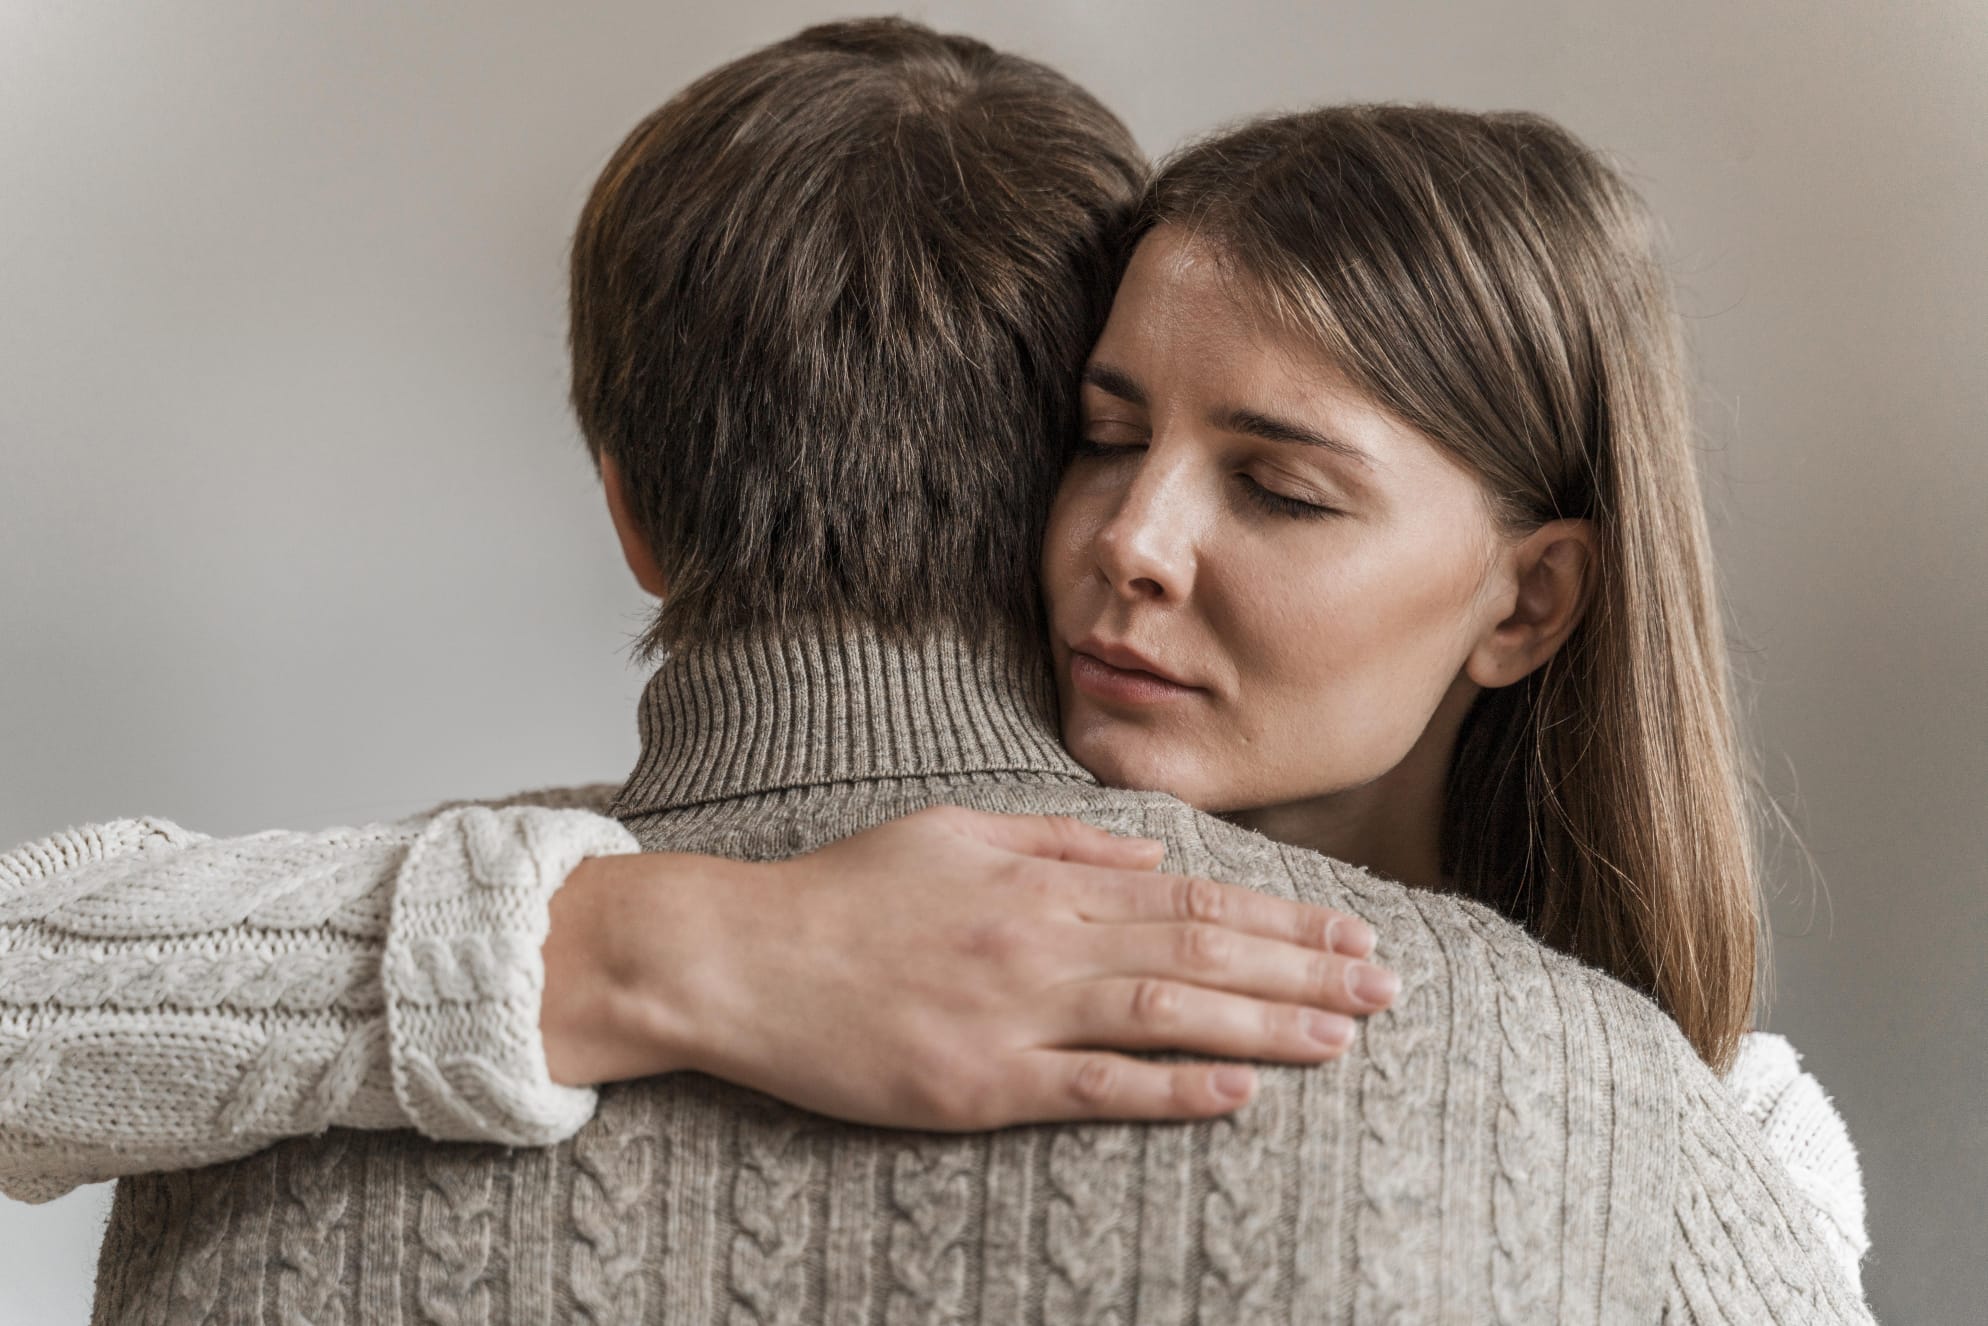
{"x":170,"y":1000}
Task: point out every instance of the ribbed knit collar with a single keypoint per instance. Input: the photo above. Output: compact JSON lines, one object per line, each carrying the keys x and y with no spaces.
{"x":759,"y":713}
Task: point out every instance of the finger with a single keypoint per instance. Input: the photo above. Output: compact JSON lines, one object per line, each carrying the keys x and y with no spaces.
{"x":1055,"y":1086}
{"x":1186,"y":898}
{"x":1061,"y":838}
{"x":1153,"y":1014}
{"x":1220,"y":958}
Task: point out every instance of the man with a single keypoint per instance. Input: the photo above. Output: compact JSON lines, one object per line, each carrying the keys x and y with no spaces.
{"x":828,"y":307}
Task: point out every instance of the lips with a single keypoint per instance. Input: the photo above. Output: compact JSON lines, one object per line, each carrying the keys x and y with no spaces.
{"x":1107,"y":670}
{"x":1125,"y":658}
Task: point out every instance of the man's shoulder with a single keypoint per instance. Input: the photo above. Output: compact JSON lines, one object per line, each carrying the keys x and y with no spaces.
{"x":1475,"y":986}
{"x":1466,"y":971}
{"x":1451,"y":937}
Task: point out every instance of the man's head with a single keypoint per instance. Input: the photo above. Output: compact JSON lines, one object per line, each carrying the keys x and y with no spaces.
{"x":829,"y":307}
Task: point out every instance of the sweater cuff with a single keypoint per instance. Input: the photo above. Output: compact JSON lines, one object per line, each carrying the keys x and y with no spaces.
{"x":463,"y":972}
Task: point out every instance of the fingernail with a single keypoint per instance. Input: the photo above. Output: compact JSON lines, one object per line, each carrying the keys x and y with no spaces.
{"x":1353,"y":937}
{"x":1333,"y":1030}
{"x":1371,"y":984}
{"x":1234,"y":1083}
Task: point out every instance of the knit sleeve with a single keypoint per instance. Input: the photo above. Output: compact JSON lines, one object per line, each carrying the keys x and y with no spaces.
{"x":1746,"y":1246}
{"x":1809,"y":1137}
{"x":170,"y":1000}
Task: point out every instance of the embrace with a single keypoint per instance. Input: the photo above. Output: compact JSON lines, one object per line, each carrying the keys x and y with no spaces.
{"x":1189,"y":775}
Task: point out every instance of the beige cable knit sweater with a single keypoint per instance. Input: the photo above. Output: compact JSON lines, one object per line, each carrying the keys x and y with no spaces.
{"x":405,"y":993}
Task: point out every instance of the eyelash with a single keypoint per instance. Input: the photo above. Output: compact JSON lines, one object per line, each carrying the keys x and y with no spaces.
{"x":1278,"y":504}
{"x":1275,"y":503}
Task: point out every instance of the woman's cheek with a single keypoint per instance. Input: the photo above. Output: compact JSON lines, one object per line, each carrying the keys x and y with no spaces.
{"x":1335,"y":721}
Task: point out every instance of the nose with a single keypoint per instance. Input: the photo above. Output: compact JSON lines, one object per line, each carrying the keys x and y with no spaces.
{"x":1145,"y":550}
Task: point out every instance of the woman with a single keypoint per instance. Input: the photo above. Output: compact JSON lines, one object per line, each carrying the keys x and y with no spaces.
{"x":1386,"y":447}
{"x":1383,"y":538}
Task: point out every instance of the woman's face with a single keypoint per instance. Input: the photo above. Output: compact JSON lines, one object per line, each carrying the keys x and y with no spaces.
{"x":1261,"y":587}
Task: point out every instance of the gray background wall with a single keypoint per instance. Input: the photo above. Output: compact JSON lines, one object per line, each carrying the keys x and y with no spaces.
{"x":296,"y":529}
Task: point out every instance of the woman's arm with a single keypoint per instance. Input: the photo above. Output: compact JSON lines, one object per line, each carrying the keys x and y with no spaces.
{"x":952,"y":970}
{"x":169,"y":1000}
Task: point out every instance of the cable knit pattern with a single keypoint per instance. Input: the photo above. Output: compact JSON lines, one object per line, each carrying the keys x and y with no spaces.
{"x":1400,"y":1113}
{"x":774,"y":1224}
{"x":932,"y":1193}
{"x":455,"y":1225}
{"x":1500,"y":1141}
{"x":196,"y":1288}
{"x":1780,"y":1263}
{"x":613,"y":1168}
{"x":170,"y":1000}
{"x":310,"y":1245}
{"x":1088,"y":1178}
{"x":1528,"y":1121}
{"x":1237,"y":1223}
{"x":469,"y":919}
{"x":1805,"y":1133}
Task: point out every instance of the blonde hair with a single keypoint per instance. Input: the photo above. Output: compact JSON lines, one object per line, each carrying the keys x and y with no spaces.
{"x":1495,"y":284}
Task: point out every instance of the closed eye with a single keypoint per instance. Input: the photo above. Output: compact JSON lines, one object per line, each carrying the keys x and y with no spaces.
{"x":1281,"y":505}
{"x":1091,"y":447}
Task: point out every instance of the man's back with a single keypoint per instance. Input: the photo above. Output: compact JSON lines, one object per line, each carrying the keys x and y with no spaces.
{"x":1518,"y":1139}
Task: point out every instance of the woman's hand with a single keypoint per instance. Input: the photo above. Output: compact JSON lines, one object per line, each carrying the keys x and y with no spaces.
{"x":951,"y":970}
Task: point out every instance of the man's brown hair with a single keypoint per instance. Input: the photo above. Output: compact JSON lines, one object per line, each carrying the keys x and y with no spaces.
{"x":829,"y":307}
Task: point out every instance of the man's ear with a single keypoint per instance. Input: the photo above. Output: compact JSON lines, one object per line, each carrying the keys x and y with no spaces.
{"x":1550,"y":574}
{"x":635,"y":549}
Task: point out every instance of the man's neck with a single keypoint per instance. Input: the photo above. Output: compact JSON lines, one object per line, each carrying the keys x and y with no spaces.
{"x":760,"y":712}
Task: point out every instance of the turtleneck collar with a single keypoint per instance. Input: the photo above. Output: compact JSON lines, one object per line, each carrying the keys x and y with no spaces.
{"x":762,"y":712}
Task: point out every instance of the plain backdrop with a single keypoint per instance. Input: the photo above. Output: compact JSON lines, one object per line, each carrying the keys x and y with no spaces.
{"x":295,"y":528}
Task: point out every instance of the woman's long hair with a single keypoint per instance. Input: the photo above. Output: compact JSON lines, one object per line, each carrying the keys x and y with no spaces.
{"x":1495,"y":284}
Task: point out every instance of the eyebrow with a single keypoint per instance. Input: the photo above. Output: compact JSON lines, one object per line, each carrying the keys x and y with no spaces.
{"x":1116,"y":382}
{"x":1250,"y":423}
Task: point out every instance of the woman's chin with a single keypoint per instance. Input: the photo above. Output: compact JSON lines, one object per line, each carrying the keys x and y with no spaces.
{"x":1131,"y":760}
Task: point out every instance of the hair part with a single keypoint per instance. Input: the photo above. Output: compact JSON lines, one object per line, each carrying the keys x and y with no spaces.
{"x":829,"y":306}
{"x":1495,"y":284}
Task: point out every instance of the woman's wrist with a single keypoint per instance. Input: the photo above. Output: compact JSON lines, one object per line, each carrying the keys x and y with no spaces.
{"x":634,"y":962}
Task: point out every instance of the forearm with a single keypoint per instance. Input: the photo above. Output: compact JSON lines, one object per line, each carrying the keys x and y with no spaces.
{"x":168,"y":1000}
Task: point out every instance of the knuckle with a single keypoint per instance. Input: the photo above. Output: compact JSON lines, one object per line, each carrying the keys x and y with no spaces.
{"x":1095,"y":1082}
{"x":951,"y":1094}
{"x":1155,"y":1003}
{"x":1000,"y":941}
{"x":948,"y":1107}
{"x":1203,"y":900}
{"x":971,"y":1109}
{"x":1203,"y":948}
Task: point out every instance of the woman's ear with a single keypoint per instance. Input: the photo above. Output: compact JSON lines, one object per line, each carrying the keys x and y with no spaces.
{"x":1550,"y":572}
{"x":635,"y":549}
